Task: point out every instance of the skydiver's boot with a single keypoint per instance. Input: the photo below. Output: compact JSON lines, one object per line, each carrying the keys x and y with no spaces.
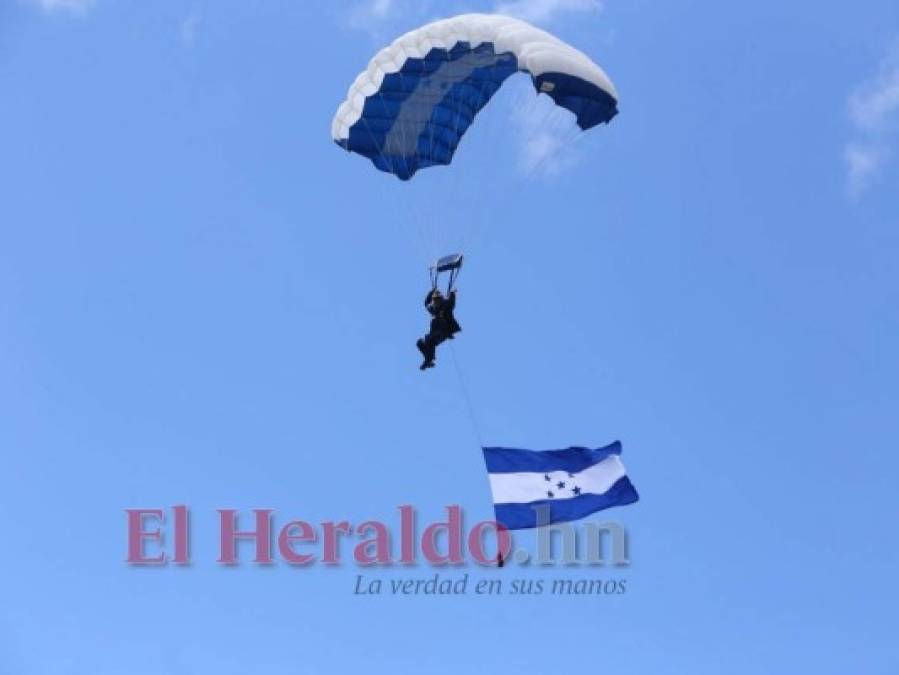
{"x":428,"y":359}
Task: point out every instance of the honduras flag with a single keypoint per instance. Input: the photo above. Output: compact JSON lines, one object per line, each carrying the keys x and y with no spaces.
{"x":561,"y":484}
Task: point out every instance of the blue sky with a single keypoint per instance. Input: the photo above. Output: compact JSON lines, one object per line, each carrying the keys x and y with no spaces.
{"x":203,"y":301}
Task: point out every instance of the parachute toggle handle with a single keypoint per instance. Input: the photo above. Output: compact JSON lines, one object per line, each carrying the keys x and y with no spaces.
{"x":448,"y":263}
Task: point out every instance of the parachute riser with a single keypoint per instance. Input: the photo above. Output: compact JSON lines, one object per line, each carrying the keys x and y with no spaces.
{"x":453,"y":275}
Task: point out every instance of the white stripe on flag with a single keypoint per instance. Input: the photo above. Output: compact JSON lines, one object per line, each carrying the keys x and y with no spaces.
{"x":524,"y":487}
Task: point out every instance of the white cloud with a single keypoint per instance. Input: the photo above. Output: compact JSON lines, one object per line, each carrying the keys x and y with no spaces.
{"x":383,"y":20}
{"x":51,"y":6}
{"x":188,"y":28}
{"x":874,"y":112}
{"x":380,"y":18}
{"x":863,"y":162}
{"x":547,"y":154}
{"x":546,"y":133}
{"x":380,"y":8}
{"x":544,"y":11}
{"x":873,"y":104}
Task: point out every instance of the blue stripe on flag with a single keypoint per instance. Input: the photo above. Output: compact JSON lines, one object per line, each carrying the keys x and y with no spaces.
{"x":511,"y":460}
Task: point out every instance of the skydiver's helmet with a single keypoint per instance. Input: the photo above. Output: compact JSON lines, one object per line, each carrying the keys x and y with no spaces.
{"x":436,"y":300}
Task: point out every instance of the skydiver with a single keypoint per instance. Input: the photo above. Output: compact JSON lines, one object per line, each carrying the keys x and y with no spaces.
{"x":443,"y":325}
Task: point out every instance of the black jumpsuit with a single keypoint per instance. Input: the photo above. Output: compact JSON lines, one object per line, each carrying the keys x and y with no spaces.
{"x":443,"y":325}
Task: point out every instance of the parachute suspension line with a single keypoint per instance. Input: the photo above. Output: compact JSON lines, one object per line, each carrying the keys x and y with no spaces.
{"x":470,"y":408}
{"x":484,"y":209}
{"x":413,"y":222}
{"x":562,"y":132}
{"x":408,"y":209}
{"x":455,"y":177}
{"x":461,"y":106}
{"x":403,"y":124}
{"x":440,"y":220}
{"x":412,"y":219}
{"x":480,"y":215}
{"x":381,"y":154}
{"x":485,"y":185}
{"x":440,"y":201}
{"x":547,"y":125}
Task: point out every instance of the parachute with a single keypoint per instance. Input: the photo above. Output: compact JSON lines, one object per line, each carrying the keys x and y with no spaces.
{"x":410,"y":108}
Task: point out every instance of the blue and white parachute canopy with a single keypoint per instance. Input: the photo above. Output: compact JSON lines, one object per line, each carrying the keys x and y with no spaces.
{"x":410,"y":107}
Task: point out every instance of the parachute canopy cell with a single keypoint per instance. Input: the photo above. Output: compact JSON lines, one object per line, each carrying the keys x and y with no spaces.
{"x":411,"y":106}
